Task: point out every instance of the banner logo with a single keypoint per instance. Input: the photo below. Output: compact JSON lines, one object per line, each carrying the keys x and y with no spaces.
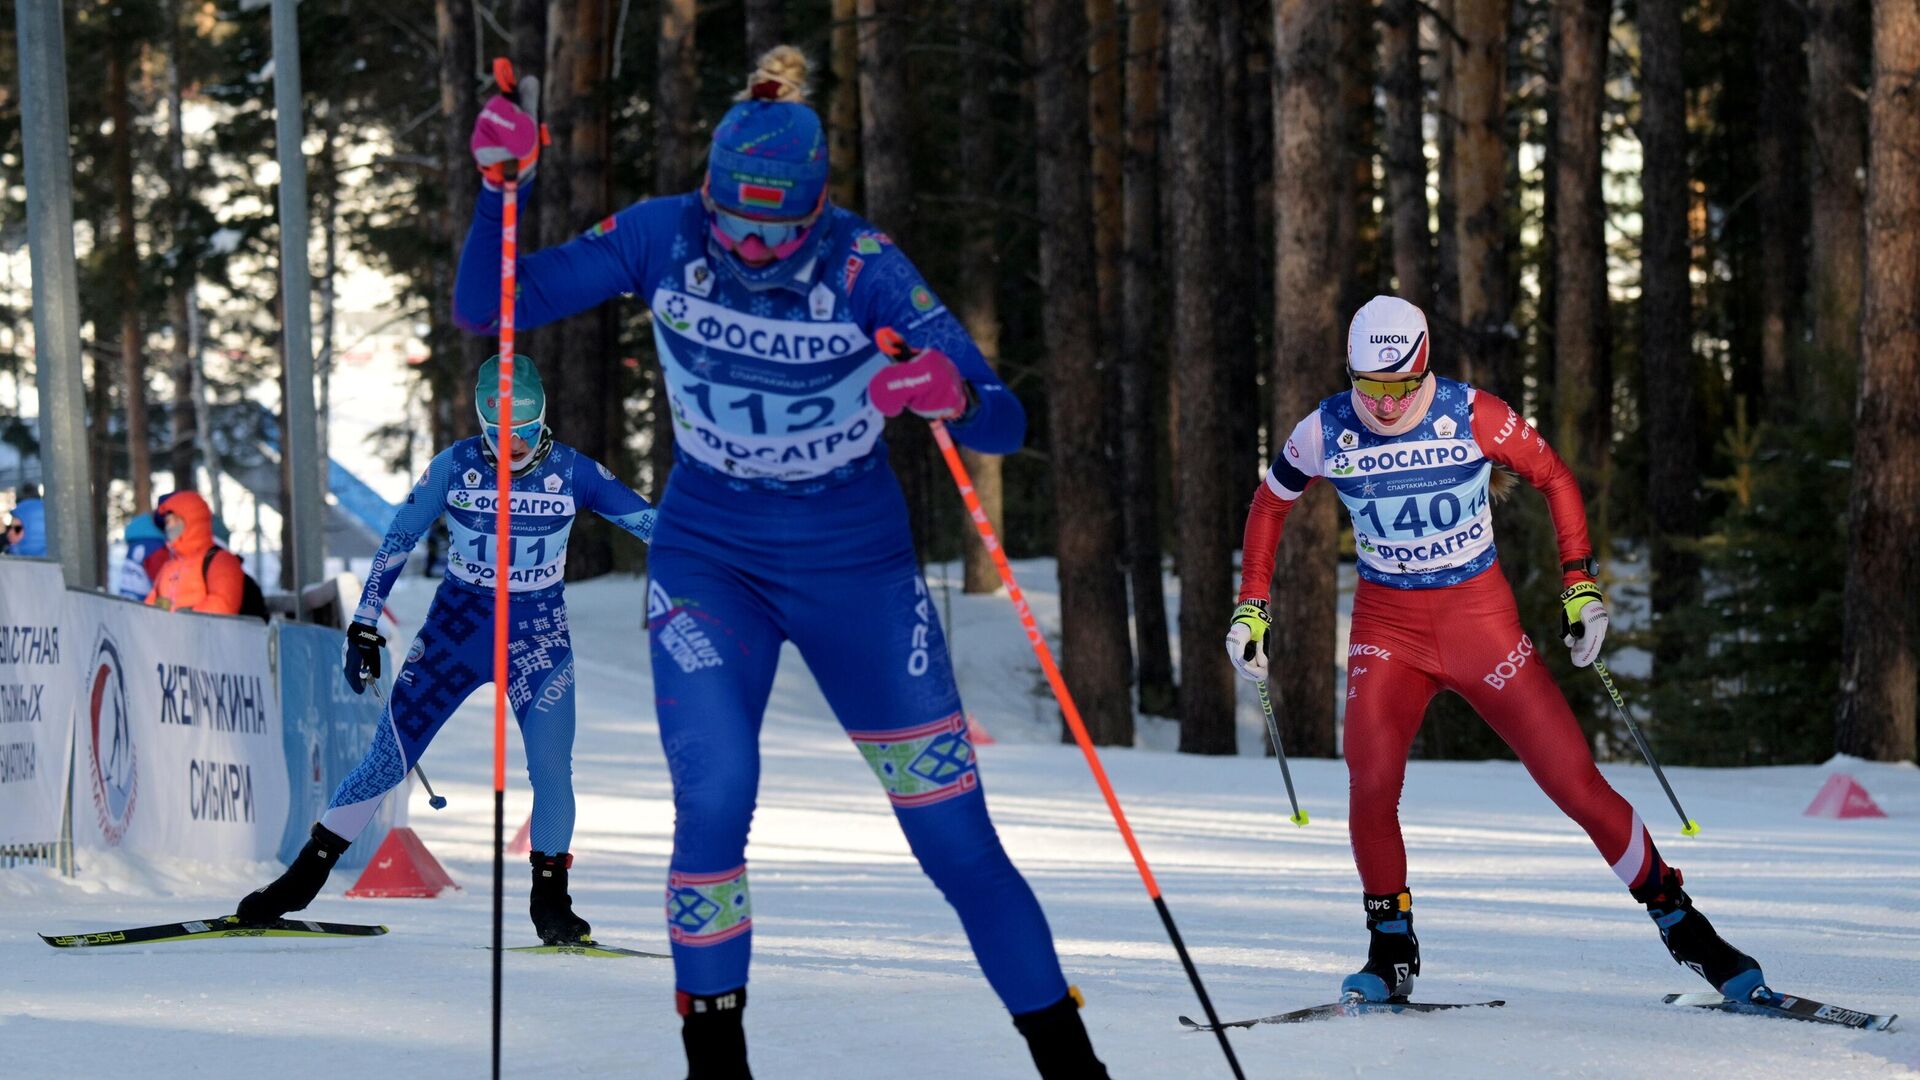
{"x":111,"y":758}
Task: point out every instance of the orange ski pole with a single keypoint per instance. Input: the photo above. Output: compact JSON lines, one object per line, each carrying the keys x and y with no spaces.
{"x":891,"y":343}
{"x":503,"y":542}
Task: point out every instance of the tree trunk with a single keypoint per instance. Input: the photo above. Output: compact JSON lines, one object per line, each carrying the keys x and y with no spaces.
{"x":133,"y":352}
{"x":1444,"y":319}
{"x":1835,"y":75}
{"x":1406,"y":150}
{"x":1480,"y":180}
{"x":1095,"y":652}
{"x":1105,"y":118}
{"x":1666,"y":352}
{"x":886,"y":117}
{"x":1357,"y":227}
{"x":1308,"y":349}
{"x":180,"y":299}
{"x":764,"y":27}
{"x":1234,"y":296}
{"x":1140,"y":316}
{"x":579,"y":412}
{"x":1582,"y":334}
{"x":464,"y":353}
{"x":1207,"y":488}
{"x":327,"y":179}
{"x":979,"y":299}
{"x":843,"y":111}
{"x":1782,"y":199}
{"x":1878,"y":681}
{"x":675,"y":103}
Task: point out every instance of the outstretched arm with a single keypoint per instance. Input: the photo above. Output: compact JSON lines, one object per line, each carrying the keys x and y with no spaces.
{"x":599,"y":264}
{"x":1507,"y":439}
{"x":597,"y":489}
{"x":1293,"y":470}
{"x":891,"y":293}
{"x":423,"y":507}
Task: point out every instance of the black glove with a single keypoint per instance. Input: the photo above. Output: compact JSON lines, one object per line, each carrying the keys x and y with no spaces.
{"x":363,"y":656}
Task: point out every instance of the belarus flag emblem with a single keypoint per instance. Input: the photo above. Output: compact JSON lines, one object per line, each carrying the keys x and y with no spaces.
{"x":762,"y":197}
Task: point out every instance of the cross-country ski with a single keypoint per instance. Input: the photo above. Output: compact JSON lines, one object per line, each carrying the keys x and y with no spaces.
{"x":224,"y":926}
{"x":1351,"y":1007}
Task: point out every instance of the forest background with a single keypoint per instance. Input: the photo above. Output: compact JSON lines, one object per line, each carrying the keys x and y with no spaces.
{"x":1682,"y":236}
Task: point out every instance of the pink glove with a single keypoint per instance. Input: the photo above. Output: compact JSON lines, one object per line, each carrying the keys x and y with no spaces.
{"x":928,"y":384}
{"x":504,"y":132}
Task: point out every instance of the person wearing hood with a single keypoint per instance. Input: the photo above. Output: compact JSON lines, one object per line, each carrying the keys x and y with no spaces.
{"x":146,"y":554}
{"x":198,"y":574}
{"x":782,"y":521}
{"x":27,"y":532}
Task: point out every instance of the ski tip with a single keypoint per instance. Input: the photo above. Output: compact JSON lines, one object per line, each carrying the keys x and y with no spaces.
{"x":1191,"y":1022}
{"x":1692,"y":829}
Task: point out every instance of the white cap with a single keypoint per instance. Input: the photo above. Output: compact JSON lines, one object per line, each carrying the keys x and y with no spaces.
{"x":1388,"y":334}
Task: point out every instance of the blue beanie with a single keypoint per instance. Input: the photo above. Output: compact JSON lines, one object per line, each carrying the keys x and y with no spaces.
{"x":769,"y":160}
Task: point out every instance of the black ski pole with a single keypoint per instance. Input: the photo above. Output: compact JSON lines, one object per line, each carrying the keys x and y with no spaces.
{"x":1273,"y":732}
{"x":1689,"y":827}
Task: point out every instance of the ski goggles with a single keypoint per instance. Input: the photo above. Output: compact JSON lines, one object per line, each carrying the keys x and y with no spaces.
{"x":1398,"y":390}
{"x":779,"y":238}
{"x":528,"y":433}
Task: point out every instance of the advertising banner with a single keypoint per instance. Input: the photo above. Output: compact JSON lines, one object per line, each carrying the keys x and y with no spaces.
{"x":327,"y":729}
{"x":179,"y":749}
{"x":36,"y":700}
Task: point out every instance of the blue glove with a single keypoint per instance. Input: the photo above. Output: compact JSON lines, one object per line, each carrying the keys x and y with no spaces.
{"x":363,"y":656}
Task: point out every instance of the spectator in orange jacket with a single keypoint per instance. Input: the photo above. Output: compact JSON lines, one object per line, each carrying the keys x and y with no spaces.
{"x":200,"y":575}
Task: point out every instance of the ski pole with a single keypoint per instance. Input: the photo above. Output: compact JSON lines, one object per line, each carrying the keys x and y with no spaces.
{"x":437,"y":801}
{"x":1273,"y":732}
{"x":891,"y":343}
{"x":1689,"y":827}
{"x":502,"y":539}
{"x":434,"y":799}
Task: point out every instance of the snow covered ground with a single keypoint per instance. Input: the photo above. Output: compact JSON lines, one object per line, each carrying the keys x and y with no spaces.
{"x":861,"y":971}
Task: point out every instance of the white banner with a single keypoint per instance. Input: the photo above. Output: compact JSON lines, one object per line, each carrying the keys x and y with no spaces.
{"x":179,"y":748}
{"x":36,"y":700}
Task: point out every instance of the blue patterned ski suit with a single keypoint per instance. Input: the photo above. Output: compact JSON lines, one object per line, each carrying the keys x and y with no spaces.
{"x":782,"y":522}
{"x":452,"y":655}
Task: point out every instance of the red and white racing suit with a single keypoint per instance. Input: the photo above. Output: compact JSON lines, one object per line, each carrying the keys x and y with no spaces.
{"x":1432,"y":610}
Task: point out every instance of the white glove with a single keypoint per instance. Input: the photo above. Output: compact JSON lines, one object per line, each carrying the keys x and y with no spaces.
{"x":1583,"y":621}
{"x":1247,"y":639}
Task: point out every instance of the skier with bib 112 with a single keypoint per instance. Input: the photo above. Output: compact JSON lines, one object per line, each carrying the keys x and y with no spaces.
{"x":452,"y":656}
{"x":1410,"y":455}
{"x":783,"y":522}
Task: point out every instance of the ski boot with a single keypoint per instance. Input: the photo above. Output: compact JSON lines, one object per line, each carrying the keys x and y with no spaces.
{"x":303,"y":880}
{"x":549,"y":904}
{"x":1692,"y":941}
{"x":1393,"y":952}
{"x":712,"y":1033}
{"x":1058,"y":1040}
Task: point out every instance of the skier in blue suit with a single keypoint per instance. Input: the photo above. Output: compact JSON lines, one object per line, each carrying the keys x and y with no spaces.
{"x":783,"y":522}
{"x":452,"y":656}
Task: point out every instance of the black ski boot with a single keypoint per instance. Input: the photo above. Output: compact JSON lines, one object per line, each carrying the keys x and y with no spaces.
{"x":1393,"y":952}
{"x":711,"y":1031}
{"x":1694,"y":943}
{"x":549,"y":904}
{"x":303,"y":880}
{"x":1058,"y":1041}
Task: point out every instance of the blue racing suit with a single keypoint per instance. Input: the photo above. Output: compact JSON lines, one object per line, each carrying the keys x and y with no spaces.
{"x":782,"y":522}
{"x":452,"y":655}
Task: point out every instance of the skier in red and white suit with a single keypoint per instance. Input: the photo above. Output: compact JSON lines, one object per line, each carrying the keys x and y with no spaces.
{"x":1411,"y":455}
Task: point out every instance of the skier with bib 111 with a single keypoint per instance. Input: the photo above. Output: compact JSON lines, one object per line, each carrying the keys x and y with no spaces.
{"x":782,"y":522}
{"x":452,"y":656}
{"x":1410,"y":454}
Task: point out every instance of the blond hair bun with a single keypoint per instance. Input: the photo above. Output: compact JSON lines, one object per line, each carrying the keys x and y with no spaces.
{"x":781,"y":76}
